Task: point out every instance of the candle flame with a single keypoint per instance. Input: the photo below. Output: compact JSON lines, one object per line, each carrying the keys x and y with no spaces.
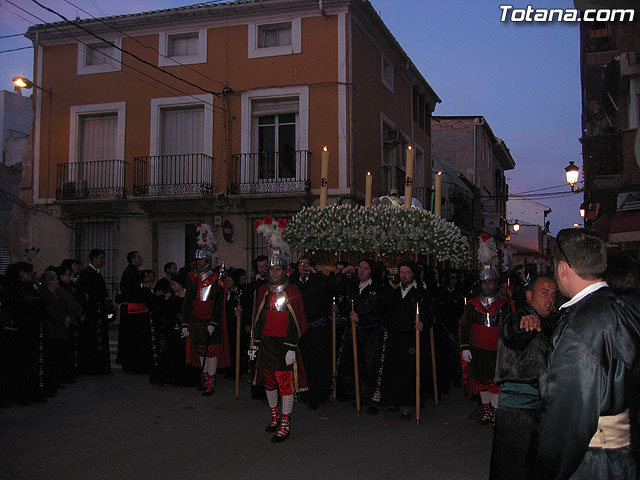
{"x":410,"y":147}
{"x":325,"y":148}
{"x":368,"y":173}
{"x":439,"y":173}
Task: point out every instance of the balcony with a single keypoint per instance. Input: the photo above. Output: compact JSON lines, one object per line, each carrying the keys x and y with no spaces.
{"x":170,"y":175}
{"x":271,"y":172}
{"x":101,"y":179}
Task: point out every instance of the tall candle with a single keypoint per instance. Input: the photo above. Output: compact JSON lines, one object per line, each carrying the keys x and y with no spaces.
{"x":367,"y":193}
{"x":408,"y":184}
{"x":324,"y":177}
{"x":438,"y":204}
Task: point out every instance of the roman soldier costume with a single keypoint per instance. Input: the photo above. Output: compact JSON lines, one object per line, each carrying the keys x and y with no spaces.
{"x":480,"y":327}
{"x":203,"y":318}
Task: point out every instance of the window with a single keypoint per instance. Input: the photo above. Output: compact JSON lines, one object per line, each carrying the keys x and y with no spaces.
{"x":387,"y":73}
{"x":182,"y":47}
{"x":275,"y":38}
{"x":274,"y":35}
{"x":182,"y":130}
{"x":96,"y":152}
{"x":277,"y":146}
{"x":99,"y":57}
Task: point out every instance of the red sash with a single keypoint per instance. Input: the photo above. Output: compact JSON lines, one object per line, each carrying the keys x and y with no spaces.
{"x":136,"y":307}
{"x":203,"y":309}
{"x":275,"y":323}
{"x":484,"y":337}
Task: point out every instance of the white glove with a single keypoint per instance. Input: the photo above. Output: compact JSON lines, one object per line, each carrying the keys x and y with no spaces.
{"x":185,"y":332}
{"x":290,"y":357}
{"x":466,"y":355}
{"x":253,"y":350}
{"x":210,"y":329}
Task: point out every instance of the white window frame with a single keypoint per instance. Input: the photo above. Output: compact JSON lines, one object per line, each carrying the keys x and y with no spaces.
{"x":296,"y":38}
{"x":157,"y":104}
{"x":84,"y":69}
{"x":164,"y":60}
{"x":389,"y":85}
{"x":78,"y":111}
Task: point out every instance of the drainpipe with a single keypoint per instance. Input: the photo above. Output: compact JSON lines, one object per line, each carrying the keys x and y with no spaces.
{"x":476,"y":122}
{"x":321,"y":7}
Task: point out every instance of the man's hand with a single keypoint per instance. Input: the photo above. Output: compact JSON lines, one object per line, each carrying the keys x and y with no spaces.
{"x":419,"y":326}
{"x":210,"y":329}
{"x":253,"y":350}
{"x":185,"y":332}
{"x":530,"y":322}
{"x":290,"y":357}
{"x":238,"y":311}
{"x":354,"y":317}
{"x":466,"y":356}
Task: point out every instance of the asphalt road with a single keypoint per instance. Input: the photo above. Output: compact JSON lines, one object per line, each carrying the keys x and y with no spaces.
{"x":122,"y":427}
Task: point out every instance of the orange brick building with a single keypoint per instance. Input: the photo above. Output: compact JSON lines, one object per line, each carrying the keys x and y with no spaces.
{"x":217,"y":113}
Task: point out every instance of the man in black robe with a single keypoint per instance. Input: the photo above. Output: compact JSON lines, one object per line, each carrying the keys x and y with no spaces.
{"x":316,"y":343}
{"x":134,"y":335}
{"x":400,"y":370}
{"x":584,"y":431}
{"x":94,"y":333}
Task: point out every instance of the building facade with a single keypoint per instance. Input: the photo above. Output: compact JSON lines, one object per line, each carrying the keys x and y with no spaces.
{"x":468,"y":146}
{"x":610,"y":78}
{"x":215,"y":113}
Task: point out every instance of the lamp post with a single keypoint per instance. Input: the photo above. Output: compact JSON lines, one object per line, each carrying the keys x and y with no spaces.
{"x":516,"y":227}
{"x":23,"y":82}
{"x":572,"y":173}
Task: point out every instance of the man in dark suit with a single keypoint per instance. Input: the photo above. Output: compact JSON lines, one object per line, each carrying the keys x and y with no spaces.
{"x":95,"y":329}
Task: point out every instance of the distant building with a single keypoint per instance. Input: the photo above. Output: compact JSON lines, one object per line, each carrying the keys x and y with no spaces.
{"x":531,"y":244}
{"x":468,"y":146}
{"x":16,"y":116}
{"x":610,"y":79}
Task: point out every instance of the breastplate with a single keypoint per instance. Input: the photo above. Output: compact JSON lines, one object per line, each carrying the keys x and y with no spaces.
{"x":487,"y":319}
{"x":205,"y":286}
{"x":276,"y":298}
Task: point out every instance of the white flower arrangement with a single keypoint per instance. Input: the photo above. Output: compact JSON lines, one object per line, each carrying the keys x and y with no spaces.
{"x":206,"y":240}
{"x":379,"y":229}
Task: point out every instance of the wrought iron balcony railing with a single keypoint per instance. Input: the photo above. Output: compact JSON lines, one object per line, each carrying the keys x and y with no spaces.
{"x":270,"y":172}
{"x":168,"y":175}
{"x":86,"y":180}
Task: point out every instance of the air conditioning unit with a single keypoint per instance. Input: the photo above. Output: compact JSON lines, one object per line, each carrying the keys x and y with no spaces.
{"x":75,"y":190}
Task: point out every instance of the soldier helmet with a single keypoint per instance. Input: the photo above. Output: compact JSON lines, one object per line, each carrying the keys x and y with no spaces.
{"x":488,"y":274}
{"x":277,"y":259}
{"x":201,"y":253}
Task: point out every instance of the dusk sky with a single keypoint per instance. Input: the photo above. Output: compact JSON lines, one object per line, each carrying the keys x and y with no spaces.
{"x":524,"y":78}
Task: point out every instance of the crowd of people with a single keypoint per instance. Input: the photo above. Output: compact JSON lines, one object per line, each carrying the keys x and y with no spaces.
{"x":546,"y":379}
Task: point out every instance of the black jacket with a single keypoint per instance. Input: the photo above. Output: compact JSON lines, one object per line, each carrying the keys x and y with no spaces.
{"x":522,"y":355}
{"x":592,"y":350}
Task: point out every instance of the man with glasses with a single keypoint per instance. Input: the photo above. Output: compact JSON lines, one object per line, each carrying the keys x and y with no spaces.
{"x":584,"y":431}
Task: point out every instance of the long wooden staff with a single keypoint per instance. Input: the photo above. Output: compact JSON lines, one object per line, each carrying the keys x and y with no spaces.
{"x":433,"y":367}
{"x":354,"y":339}
{"x":333,"y":351}
{"x":238,"y":318}
{"x":417,"y":364}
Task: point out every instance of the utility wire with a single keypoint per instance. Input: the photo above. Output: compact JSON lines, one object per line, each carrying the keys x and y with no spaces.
{"x":143,"y":45}
{"x":160,"y":82}
{"x":15,"y":49}
{"x":14,"y":35}
{"x":195,"y":85}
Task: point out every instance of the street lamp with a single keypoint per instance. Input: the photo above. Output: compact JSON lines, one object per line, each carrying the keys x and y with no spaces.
{"x":582,"y":210}
{"x":572,"y":172}
{"x":24,"y":82}
{"x":516,"y":227}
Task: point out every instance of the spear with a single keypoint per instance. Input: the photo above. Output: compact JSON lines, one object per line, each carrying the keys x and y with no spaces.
{"x":333,"y":350}
{"x":417,"y":364}
{"x":433,"y":366}
{"x":354,"y":339}
{"x":238,"y":317}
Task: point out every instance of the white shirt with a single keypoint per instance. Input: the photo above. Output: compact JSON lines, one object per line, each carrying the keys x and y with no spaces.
{"x":96,"y":269}
{"x":405,"y":290}
{"x":365,"y":285}
{"x":584,"y":292}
